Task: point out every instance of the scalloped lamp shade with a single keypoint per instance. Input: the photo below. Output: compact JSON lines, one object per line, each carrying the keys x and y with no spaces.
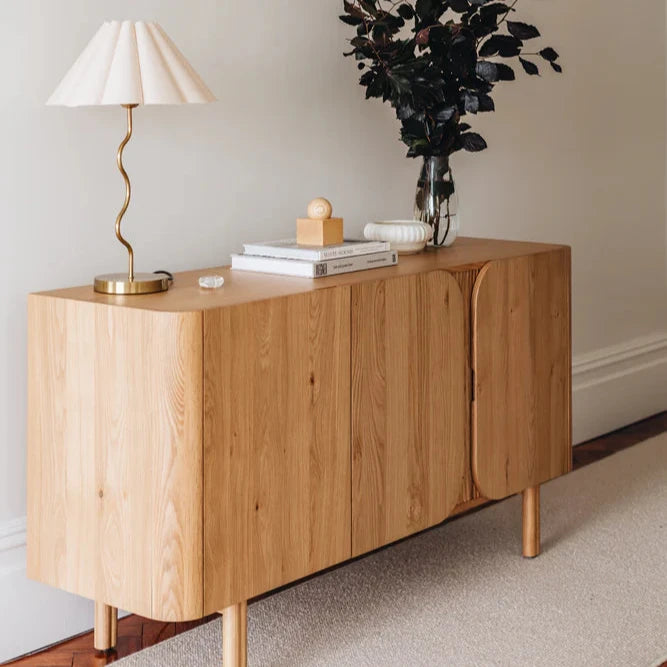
{"x":131,"y":63}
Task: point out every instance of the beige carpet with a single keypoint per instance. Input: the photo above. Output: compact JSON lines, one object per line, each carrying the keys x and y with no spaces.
{"x":462,"y":595}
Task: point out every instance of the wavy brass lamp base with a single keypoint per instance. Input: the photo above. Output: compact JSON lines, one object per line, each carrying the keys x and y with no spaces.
{"x":143,"y":283}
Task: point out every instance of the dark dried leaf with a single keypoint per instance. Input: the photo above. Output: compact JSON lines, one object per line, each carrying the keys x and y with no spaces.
{"x":376,"y":87}
{"x":351,"y":20}
{"x":505,"y":72}
{"x":489,"y":48}
{"x":459,"y":6}
{"x":352,"y":9}
{"x":444,"y":114}
{"x":470,"y":102}
{"x":473,"y":142}
{"x":509,"y":46}
{"x":549,"y":54}
{"x":367,"y":78}
{"x":522,"y":30}
{"x":486,"y":103}
{"x":399,"y":83}
{"x":506,"y":46}
{"x":530,"y":67}
{"x":424,"y":7}
{"x":404,"y":112}
{"x":369,"y":6}
{"x":414,"y":128}
{"x":494,"y":9}
{"x":486,"y":70}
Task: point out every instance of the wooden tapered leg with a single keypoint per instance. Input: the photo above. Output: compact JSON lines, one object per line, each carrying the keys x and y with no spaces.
{"x":106,"y":627}
{"x":531,"y":522}
{"x":235,"y":635}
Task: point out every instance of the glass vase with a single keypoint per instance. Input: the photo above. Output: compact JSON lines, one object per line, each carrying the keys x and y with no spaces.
{"x":436,"y":202}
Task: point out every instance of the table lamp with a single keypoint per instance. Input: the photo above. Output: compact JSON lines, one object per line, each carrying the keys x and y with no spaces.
{"x":129,"y":64}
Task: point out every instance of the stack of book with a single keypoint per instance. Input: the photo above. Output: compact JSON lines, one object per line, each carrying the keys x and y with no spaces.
{"x":290,"y":259}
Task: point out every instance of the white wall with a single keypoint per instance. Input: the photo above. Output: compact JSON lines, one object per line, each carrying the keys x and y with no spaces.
{"x":578,"y":159}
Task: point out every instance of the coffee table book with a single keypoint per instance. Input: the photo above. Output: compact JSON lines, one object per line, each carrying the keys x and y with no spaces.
{"x":289,"y":249}
{"x":306,"y":269}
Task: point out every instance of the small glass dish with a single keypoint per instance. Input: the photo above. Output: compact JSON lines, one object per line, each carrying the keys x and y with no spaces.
{"x":211,"y":282}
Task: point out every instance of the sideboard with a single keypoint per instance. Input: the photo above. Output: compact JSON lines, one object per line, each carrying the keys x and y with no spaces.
{"x":191,"y":450}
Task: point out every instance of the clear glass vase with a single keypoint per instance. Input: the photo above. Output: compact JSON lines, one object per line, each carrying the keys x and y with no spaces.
{"x":436,"y":202}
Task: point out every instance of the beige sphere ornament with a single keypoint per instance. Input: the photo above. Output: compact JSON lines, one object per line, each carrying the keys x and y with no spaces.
{"x":320,"y":209}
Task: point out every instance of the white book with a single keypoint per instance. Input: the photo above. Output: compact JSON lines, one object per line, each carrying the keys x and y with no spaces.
{"x":289,"y":249}
{"x":302,"y":268}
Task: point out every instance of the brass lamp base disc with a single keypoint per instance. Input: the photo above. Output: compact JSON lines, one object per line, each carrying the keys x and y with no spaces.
{"x":143,"y":283}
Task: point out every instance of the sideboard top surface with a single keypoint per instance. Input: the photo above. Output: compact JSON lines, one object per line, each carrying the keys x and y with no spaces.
{"x":240,"y":287}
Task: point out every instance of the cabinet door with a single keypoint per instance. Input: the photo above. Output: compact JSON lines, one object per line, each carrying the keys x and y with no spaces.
{"x":522,"y":365}
{"x":276,"y":443}
{"x":409,"y":406}
{"x":115,"y":455}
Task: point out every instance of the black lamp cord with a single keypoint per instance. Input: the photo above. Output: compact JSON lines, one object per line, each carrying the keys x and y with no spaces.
{"x":166,"y":273}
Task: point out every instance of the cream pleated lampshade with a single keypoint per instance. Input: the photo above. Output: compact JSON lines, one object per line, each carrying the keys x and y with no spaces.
{"x":131,"y":63}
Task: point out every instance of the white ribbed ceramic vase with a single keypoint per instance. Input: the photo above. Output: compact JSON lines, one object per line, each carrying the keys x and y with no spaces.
{"x":405,"y":236}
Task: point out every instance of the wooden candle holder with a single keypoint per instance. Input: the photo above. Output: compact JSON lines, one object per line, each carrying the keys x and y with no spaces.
{"x":319,"y":232}
{"x":319,"y":228}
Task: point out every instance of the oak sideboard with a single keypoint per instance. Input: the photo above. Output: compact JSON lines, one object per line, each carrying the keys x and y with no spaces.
{"x":191,"y":450}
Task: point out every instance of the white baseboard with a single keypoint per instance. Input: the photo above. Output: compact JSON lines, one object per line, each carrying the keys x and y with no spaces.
{"x":611,"y":388}
{"x":32,"y":615}
{"x":12,"y":540}
{"x":619,"y":385}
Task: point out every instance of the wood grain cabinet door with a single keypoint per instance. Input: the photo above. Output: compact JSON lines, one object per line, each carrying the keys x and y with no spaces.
{"x":276,"y":443}
{"x":522,"y":364}
{"x":115,"y":455}
{"x":409,"y":406}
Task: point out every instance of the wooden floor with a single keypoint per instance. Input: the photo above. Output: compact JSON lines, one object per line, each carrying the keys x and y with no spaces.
{"x":136,"y":633}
